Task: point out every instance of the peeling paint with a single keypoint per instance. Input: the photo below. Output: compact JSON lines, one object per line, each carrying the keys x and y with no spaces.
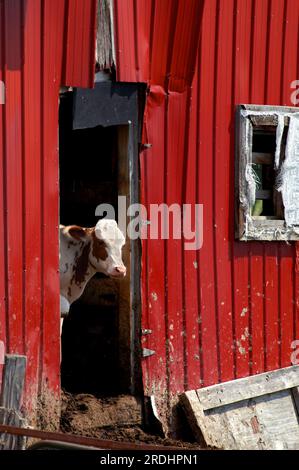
{"x":244,"y":311}
{"x":2,"y":352}
{"x":2,"y":92}
{"x":255,"y":424}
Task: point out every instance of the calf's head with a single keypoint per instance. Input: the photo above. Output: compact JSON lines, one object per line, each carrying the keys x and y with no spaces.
{"x":103,"y":244}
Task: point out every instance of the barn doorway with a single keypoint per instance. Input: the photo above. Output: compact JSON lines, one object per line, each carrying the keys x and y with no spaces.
{"x":99,"y":132}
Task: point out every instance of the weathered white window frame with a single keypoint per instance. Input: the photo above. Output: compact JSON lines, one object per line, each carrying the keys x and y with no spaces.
{"x":249,"y":227}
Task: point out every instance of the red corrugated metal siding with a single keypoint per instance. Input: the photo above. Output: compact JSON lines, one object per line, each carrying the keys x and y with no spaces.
{"x":229,"y":310}
{"x":32,"y":66}
{"x":80,"y":31}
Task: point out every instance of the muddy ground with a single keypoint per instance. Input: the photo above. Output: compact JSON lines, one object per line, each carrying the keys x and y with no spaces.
{"x":115,"y":418}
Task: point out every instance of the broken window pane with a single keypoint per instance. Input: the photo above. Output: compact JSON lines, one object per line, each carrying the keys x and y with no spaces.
{"x":267,"y":162}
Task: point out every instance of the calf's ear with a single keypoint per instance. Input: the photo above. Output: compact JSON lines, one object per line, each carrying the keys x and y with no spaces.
{"x":76,"y":232}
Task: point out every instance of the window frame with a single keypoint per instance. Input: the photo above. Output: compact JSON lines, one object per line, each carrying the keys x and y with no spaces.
{"x":248,"y":227}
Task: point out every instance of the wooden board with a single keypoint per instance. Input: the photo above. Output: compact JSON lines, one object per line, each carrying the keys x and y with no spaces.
{"x":249,"y":387}
{"x":13,"y":381}
{"x":10,"y":403}
{"x":124,"y":317}
{"x":9,"y":441}
{"x":105,"y":54}
{"x":259,"y":412}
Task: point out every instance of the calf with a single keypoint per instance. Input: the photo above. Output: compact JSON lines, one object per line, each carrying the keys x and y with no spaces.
{"x":84,"y":252}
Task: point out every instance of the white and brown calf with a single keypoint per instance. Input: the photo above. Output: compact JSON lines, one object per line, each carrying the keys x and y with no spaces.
{"x":84,"y":252}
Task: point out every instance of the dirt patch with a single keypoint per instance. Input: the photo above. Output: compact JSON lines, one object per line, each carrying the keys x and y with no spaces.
{"x":48,"y":410}
{"x":115,"y":418}
{"x":84,"y":412}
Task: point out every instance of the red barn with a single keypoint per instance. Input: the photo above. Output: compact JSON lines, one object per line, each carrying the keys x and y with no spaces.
{"x":38,"y":41}
{"x":225,"y":311}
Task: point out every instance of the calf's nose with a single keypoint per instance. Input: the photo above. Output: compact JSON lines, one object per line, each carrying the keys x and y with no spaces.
{"x":120,"y":271}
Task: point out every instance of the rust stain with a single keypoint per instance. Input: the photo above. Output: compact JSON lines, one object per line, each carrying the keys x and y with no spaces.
{"x":255,"y":425}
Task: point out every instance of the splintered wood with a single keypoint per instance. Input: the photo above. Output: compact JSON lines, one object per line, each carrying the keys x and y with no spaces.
{"x":258,"y":412}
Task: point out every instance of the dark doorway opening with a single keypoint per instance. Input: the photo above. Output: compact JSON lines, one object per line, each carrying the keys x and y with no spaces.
{"x":99,"y":132}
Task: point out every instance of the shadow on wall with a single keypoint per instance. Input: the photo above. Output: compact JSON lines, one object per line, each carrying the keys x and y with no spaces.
{"x":90,"y":362}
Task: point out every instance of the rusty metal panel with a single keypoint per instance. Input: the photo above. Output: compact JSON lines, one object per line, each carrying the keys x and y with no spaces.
{"x":34,"y":59}
{"x":229,"y":310}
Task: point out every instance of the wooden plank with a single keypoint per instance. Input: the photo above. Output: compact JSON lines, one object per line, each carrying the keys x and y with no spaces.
{"x":239,"y":213}
{"x":268,"y":221}
{"x":265,"y":422}
{"x":8,"y":441}
{"x":243,"y":389}
{"x":12,"y":388}
{"x":214,"y":428}
{"x":270,"y":229}
{"x":268,"y":217}
{"x":244,"y":132}
{"x":124,"y":312}
{"x":278,"y":204}
{"x":262,"y":158}
{"x":270,"y":108}
{"x":196,"y":419}
{"x":13,"y":381}
{"x":277,"y":420}
{"x":264,"y":120}
{"x":104,"y":44}
{"x":295,"y":394}
{"x":270,"y":119}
